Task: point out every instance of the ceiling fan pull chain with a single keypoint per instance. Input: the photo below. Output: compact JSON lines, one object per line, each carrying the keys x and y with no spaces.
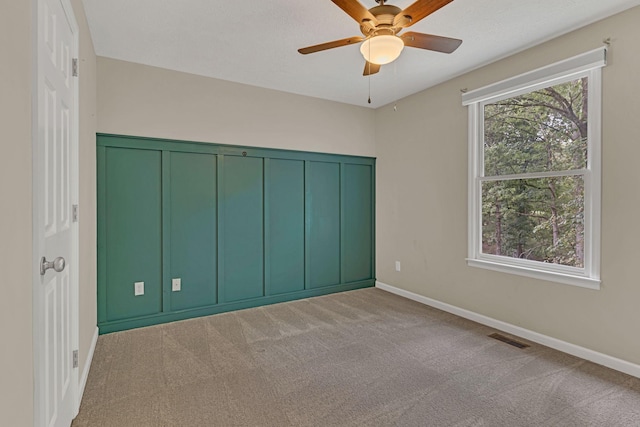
{"x":369,"y":65}
{"x":395,"y":86}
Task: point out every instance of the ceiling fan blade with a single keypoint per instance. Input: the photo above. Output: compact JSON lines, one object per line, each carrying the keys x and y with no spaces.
{"x":430,"y":42}
{"x":417,"y":11}
{"x":330,"y":45}
{"x":356,"y":10}
{"x":370,"y":68}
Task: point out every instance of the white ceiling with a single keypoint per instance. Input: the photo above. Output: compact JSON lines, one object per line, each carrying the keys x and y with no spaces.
{"x":256,"y":42}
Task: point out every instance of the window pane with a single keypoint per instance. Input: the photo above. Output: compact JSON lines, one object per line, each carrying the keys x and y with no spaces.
{"x":538,"y":219}
{"x":545,"y":130}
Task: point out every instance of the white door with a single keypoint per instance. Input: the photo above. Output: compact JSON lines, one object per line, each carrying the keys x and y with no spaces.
{"x":55,"y":231}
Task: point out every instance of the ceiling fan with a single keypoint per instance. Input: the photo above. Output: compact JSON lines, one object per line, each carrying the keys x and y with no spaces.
{"x":381,"y":26}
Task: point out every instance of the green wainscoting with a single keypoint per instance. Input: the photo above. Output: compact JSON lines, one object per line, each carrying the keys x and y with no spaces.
{"x":193,"y":226}
{"x":357,"y":222}
{"x":239,"y":226}
{"x":323,"y":223}
{"x":133,"y":203}
{"x":284,"y":232}
{"x":242,"y":235}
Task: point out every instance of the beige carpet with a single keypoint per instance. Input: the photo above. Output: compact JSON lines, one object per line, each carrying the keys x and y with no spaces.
{"x":360,"y":358}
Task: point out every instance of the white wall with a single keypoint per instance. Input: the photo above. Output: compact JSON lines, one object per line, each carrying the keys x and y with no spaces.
{"x":16,"y":361}
{"x":140,"y":100}
{"x":422,"y":202}
{"x":16,"y":325}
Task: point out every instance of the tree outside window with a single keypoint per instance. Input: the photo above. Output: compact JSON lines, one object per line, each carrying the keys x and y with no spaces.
{"x":537,"y":218}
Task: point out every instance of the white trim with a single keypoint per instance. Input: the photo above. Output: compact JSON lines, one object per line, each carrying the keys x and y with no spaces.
{"x":563,"y":346}
{"x":473,"y":186}
{"x":552,"y":276}
{"x":586,"y":65}
{"x":75,"y":197}
{"x":85,"y":369}
{"x":577,"y":64}
{"x":593,"y":187}
{"x":534,"y":175}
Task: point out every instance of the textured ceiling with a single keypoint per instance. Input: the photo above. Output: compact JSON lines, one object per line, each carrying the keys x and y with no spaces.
{"x":256,"y":42}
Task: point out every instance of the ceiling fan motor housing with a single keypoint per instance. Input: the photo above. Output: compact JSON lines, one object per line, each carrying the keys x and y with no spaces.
{"x":384,"y":14}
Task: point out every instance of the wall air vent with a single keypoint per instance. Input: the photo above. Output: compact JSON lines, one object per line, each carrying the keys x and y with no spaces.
{"x":508,"y":340}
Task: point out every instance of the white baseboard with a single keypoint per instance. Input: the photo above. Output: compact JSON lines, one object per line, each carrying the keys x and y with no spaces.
{"x":86,"y":368}
{"x":575,"y":350}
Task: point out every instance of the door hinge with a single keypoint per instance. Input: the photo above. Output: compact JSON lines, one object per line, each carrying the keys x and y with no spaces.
{"x":74,"y":213}
{"x":74,"y":67}
{"x":75,"y":358}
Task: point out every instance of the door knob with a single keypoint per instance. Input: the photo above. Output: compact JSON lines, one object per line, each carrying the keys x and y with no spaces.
{"x":57,"y":264}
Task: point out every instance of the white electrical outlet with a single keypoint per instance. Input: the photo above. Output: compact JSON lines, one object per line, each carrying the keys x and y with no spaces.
{"x":138,"y":288}
{"x":176,"y":284}
{"x":397,"y":265}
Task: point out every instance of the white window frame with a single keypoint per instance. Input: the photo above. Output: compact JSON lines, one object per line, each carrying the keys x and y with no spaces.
{"x":587,"y":65}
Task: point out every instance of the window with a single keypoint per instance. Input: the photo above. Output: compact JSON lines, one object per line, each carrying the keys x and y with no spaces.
{"x":534,"y":173}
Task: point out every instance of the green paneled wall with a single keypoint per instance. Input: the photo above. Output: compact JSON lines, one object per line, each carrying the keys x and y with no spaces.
{"x":242,"y":250}
{"x":133,"y":192}
{"x":239,"y":226}
{"x":193,"y":225}
{"x":284,"y":217}
{"x":357,"y":222}
{"x":323,"y":223}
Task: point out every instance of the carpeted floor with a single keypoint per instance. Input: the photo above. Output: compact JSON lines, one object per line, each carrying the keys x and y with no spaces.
{"x":360,"y":358}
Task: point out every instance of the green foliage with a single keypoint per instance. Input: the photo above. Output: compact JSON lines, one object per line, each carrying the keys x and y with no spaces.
{"x":536,"y":218}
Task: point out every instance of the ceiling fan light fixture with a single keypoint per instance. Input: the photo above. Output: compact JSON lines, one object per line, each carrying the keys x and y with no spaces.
{"x":382,"y":49}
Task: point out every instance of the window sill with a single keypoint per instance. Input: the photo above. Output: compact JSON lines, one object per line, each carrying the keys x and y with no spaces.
{"x":567,"y":279}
